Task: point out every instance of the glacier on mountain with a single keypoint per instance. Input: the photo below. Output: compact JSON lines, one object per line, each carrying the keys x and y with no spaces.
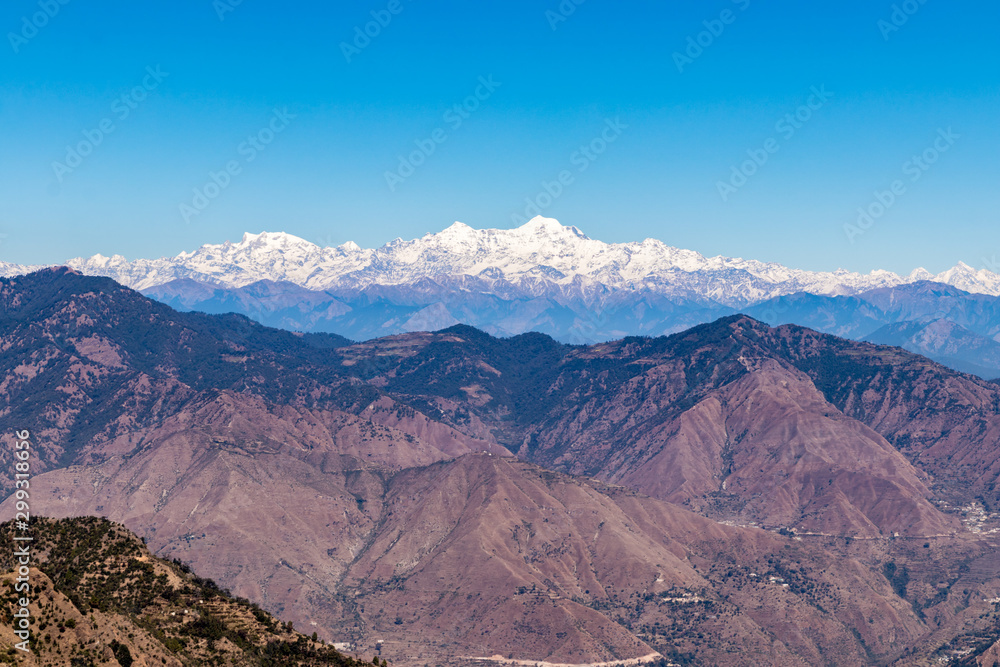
{"x":540,"y":259}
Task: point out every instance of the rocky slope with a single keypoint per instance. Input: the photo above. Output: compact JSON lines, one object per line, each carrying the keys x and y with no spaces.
{"x":369,"y":488}
{"x":85,"y":359}
{"x":946,"y":423}
{"x":485,"y":555}
{"x":98,"y":596}
{"x":712,"y":394}
{"x":717,"y":419}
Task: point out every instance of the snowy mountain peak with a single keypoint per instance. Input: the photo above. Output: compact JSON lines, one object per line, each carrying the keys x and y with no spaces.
{"x":920,"y":274}
{"x":550,"y":226}
{"x":969,"y":279}
{"x":541,"y":223}
{"x":273,"y":240}
{"x":960,"y":270}
{"x":457,"y":230}
{"x":540,"y":259}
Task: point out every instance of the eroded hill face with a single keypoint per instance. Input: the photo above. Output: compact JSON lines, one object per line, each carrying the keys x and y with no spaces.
{"x":487,"y":555}
{"x":370,"y":488}
{"x":720,"y":419}
{"x":100,"y":597}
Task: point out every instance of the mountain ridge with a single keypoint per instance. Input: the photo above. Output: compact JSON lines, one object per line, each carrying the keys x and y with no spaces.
{"x":554,"y":279}
{"x":114,"y":602}
{"x":542,"y":250}
{"x":369,"y":488}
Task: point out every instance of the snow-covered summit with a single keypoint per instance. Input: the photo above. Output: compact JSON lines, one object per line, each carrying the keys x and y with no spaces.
{"x":540,"y":258}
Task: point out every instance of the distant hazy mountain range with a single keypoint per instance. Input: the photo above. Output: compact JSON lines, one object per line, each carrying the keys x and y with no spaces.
{"x":553,"y":279}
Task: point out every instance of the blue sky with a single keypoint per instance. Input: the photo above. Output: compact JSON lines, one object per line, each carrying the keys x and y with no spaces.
{"x":300,"y":131}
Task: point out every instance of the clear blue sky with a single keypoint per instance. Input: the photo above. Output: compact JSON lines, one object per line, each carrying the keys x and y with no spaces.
{"x":323,"y":177}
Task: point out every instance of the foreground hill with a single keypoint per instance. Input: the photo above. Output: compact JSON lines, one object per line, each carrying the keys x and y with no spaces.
{"x":370,"y":488}
{"x":485,"y":555}
{"x":100,"y":597}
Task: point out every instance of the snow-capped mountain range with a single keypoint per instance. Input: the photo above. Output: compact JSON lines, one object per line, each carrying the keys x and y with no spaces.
{"x":553,"y":279}
{"x":539,"y":259}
